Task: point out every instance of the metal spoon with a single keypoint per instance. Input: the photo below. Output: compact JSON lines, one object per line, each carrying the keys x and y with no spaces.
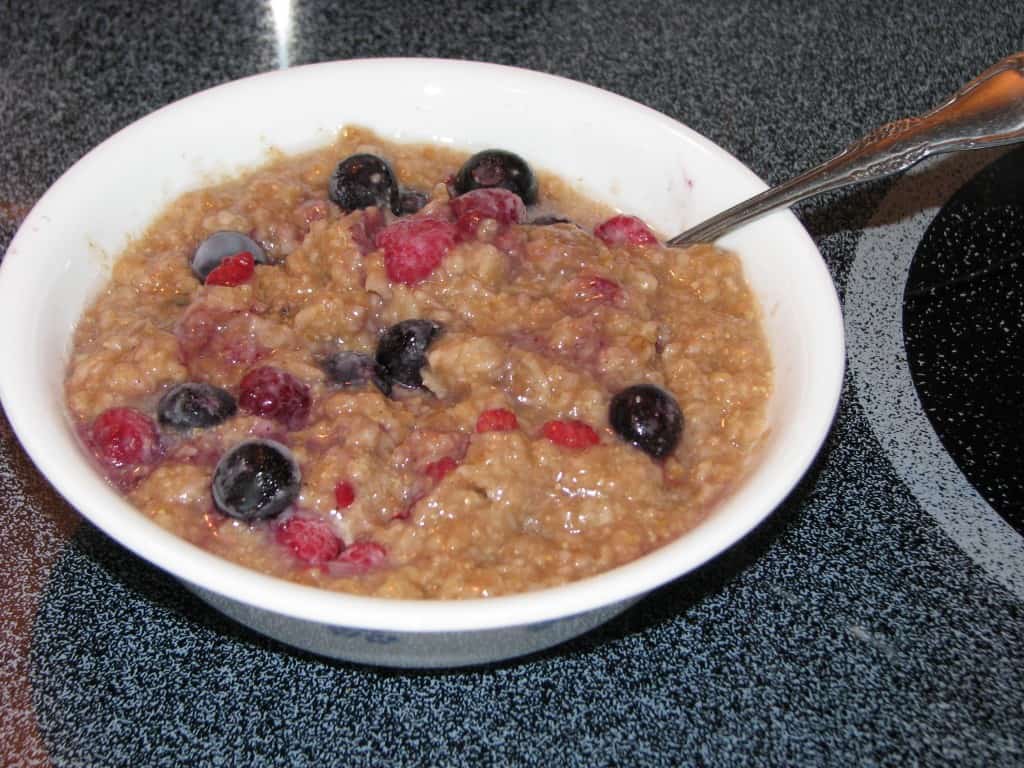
{"x":987,"y":112}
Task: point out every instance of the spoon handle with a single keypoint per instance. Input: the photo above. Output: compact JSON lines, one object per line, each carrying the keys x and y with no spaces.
{"x":987,"y":112}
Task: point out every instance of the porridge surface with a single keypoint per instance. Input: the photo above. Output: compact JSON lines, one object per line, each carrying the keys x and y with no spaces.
{"x":402,"y":495}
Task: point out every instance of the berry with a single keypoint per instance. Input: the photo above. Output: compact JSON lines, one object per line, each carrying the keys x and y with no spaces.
{"x":345,"y":368}
{"x":402,"y":351}
{"x":474,"y":207}
{"x":437,"y":470}
{"x":543,"y":221}
{"x":599,"y":289}
{"x":275,"y":394}
{"x":234,"y":270}
{"x":344,"y":494}
{"x":625,"y":230}
{"x":570,"y":434}
{"x":363,"y":555}
{"x":497,"y":420}
{"x":223,"y":245}
{"x":255,"y":480}
{"x":363,"y":180}
{"x":647,"y":417}
{"x":195,"y":404}
{"x":497,"y":168}
{"x":410,"y":201}
{"x":310,"y":540}
{"x":414,"y":248}
{"x":124,"y":437}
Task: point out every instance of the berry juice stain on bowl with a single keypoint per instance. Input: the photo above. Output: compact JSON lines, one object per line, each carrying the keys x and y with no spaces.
{"x":446,"y":400}
{"x":343,"y":397}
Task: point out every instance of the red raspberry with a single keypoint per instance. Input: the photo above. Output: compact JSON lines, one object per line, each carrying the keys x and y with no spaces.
{"x":234,"y":270}
{"x":625,"y":230}
{"x":414,"y":248}
{"x":123,"y":437}
{"x":275,"y":394}
{"x":497,"y":420}
{"x":570,"y":434}
{"x":344,"y":494}
{"x":474,"y":207}
{"x":437,"y":470}
{"x":363,"y":555}
{"x":310,"y":540}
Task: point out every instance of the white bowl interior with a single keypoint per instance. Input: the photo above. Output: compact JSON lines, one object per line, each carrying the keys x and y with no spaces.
{"x":617,"y":151}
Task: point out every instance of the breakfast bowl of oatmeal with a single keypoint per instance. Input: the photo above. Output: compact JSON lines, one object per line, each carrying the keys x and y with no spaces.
{"x":405,"y":378}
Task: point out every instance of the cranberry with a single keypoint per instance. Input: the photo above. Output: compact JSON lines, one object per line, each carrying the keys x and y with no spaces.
{"x":123,"y":437}
{"x":234,"y":270}
{"x":625,"y":230}
{"x":363,"y":555}
{"x":570,"y":434}
{"x":310,"y":540}
{"x":414,"y":248}
{"x":497,"y":420}
{"x":437,"y":470}
{"x":344,"y":494}
{"x":275,"y":394}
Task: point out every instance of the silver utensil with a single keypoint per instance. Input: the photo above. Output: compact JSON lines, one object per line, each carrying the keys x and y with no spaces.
{"x":987,"y":112}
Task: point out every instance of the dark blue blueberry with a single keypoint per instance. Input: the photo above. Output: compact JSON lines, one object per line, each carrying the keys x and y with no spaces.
{"x":195,"y":405}
{"x":647,"y":417}
{"x":402,"y":351}
{"x":353,"y":369}
{"x":256,"y":480}
{"x":219,"y":246}
{"x":543,"y":221}
{"x":411,"y":201}
{"x":497,"y":168}
{"x":363,"y":180}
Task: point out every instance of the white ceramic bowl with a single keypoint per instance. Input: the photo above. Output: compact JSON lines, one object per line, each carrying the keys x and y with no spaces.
{"x":617,"y":151}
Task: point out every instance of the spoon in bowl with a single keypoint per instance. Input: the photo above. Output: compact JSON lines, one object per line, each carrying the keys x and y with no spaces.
{"x":987,"y":112}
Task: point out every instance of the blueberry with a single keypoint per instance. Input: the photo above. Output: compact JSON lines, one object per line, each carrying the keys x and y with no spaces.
{"x":543,"y":221}
{"x":402,"y":351}
{"x":363,"y":180}
{"x":497,"y":168}
{"x":195,"y":405}
{"x":256,"y":480}
{"x":410,"y":201}
{"x":647,"y":417}
{"x":353,"y":369}
{"x":219,"y":246}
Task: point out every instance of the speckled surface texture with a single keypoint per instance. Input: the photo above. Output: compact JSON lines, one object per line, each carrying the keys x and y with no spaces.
{"x":858,"y":626}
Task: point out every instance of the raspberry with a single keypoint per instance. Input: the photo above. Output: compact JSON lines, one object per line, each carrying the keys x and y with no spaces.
{"x":275,"y":394}
{"x":414,"y":248}
{"x":310,"y":540}
{"x":570,"y":434}
{"x":124,"y":437}
{"x":625,"y":230}
{"x":344,"y":494}
{"x":234,"y":270}
{"x":363,"y":555}
{"x":497,"y":420}
{"x":437,"y":470}
{"x":474,"y":207}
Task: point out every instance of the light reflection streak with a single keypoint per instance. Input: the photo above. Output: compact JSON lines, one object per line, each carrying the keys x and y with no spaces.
{"x":281,"y":12}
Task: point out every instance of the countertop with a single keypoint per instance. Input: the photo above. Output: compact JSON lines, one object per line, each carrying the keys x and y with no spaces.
{"x":874,"y":619}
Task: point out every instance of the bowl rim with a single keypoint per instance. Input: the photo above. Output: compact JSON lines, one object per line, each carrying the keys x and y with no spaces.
{"x":672,"y":560}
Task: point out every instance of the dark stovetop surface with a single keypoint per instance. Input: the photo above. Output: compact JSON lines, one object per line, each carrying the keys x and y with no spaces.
{"x":874,"y":619}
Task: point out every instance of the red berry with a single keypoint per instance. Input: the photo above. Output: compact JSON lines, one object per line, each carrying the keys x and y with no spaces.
{"x":234,"y":270}
{"x":497,"y":420}
{"x":437,"y":470}
{"x":600,"y":289}
{"x":310,"y":540}
{"x":625,"y":230}
{"x":414,"y":248}
{"x":275,"y":394}
{"x":492,"y":203}
{"x":123,"y":436}
{"x":363,"y":555}
{"x":344,"y":494}
{"x":570,"y":434}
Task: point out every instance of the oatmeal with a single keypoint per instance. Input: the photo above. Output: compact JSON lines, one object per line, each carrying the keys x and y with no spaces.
{"x":391,"y":370}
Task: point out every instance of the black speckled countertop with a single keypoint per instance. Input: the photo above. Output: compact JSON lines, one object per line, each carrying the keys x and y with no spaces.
{"x":875,"y":619}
